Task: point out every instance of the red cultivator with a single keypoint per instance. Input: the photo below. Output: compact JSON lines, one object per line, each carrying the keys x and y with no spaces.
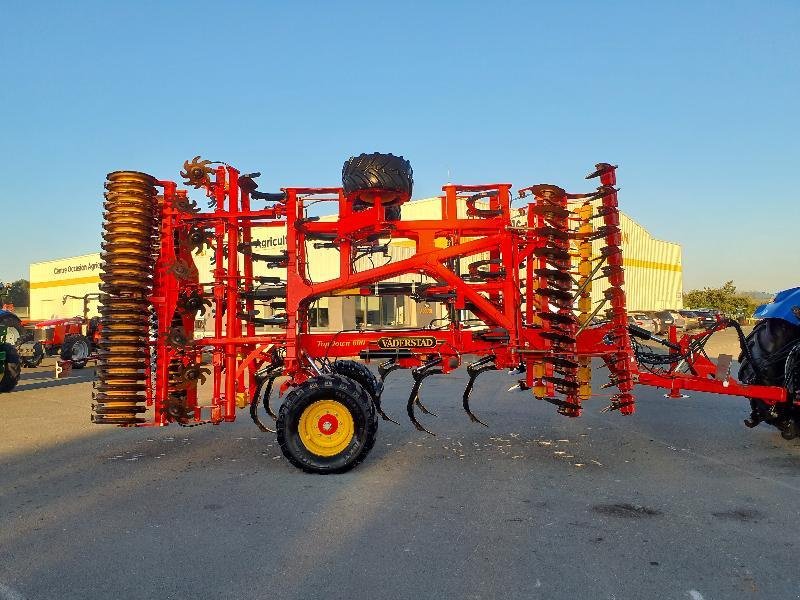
{"x":515,"y":284}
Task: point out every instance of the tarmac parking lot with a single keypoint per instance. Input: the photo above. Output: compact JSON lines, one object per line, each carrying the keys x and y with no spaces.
{"x":677,"y":501}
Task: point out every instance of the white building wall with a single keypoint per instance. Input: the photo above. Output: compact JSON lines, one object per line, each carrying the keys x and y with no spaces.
{"x":52,"y":280}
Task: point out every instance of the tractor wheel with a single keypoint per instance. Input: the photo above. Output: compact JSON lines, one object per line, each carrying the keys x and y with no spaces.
{"x":76,"y":349}
{"x":327,"y":425}
{"x":378,"y":172}
{"x":769,"y":343}
{"x":36,"y":357}
{"x":14,"y":329}
{"x":9,"y":374}
{"x":773,"y":346}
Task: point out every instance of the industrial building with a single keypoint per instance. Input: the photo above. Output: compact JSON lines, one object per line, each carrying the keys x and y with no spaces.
{"x":653,"y":274}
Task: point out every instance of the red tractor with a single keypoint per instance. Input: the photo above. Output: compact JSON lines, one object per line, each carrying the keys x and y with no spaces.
{"x":73,"y":339}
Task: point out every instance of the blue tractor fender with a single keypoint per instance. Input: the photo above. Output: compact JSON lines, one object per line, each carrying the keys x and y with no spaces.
{"x":5,"y":313}
{"x":785,"y":305}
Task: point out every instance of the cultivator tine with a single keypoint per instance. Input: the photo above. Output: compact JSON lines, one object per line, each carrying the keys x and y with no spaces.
{"x":268,"y":392}
{"x":474,"y":369}
{"x":422,"y":407}
{"x":419,"y":374}
{"x":387,"y":367}
{"x":383,"y":370}
{"x":412,"y":399}
{"x":383,"y":415}
{"x":265,"y":381}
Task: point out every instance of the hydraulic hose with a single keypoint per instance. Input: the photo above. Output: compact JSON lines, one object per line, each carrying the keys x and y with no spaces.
{"x":745,"y":348}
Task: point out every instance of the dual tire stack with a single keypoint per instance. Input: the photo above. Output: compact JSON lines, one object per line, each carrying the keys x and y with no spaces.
{"x":328,"y":424}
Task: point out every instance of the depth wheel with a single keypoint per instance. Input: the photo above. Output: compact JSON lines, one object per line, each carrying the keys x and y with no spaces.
{"x":327,"y":425}
{"x":10,"y":370}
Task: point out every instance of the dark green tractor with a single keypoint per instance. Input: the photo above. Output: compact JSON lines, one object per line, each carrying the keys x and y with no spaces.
{"x":9,"y":363}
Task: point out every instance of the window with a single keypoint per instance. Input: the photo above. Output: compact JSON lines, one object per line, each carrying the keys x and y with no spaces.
{"x":318,"y":314}
{"x":380,"y":311}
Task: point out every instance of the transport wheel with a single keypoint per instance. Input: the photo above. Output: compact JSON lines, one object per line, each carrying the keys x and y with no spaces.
{"x":360,"y":373}
{"x":378,"y":172}
{"x":76,"y":349}
{"x":327,"y":425}
{"x":14,"y":329}
{"x":9,"y":374}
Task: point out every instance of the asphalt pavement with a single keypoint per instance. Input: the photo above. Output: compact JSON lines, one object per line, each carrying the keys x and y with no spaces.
{"x":678,"y":501}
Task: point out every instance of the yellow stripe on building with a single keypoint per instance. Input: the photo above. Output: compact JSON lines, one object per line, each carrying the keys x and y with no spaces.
{"x":35,"y":285}
{"x":650,"y":264}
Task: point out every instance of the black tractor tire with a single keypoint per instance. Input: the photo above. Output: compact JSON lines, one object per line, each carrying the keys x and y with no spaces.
{"x":76,"y":349}
{"x":33,"y":361}
{"x":377,"y":171}
{"x":360,"y":373}
{"x":774,"y":350}
{"x":10,"y":370}
{"x":348,"y":394}
{"x":14,"y":330}
{"x":769,"y":344}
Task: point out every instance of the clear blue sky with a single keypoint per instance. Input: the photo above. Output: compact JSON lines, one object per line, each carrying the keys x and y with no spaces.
{"x":696,"y":101}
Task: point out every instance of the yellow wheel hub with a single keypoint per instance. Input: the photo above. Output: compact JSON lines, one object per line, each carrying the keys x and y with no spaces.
{"x":326,"y":427}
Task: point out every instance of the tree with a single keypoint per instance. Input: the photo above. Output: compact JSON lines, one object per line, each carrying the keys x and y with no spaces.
{"x":724,"y":299}
{"x":16,"y":293}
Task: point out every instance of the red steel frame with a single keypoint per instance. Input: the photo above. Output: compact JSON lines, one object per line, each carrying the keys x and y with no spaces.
{"x":506,"y":304}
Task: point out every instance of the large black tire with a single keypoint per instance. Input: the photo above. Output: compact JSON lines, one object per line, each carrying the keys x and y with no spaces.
{"x":76,"y":349}
{"x":298,"y":411}
{"x":36,"y":358}
{"x":360,"y":373}
{"x":14,"y":330}
{"x":773,"y":350}
{"x":377,"y":171}
{"x":9,"y":373}
{"x":769,"y":343}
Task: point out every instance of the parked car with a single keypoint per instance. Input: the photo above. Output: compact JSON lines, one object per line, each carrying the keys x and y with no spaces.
{"x":670,"y":318}
{"x":643,"y":321}
{"x":661,"y":327}
{"x":663,"y":319}
{"x":707,"y":318}
{"x":692,"y":318}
